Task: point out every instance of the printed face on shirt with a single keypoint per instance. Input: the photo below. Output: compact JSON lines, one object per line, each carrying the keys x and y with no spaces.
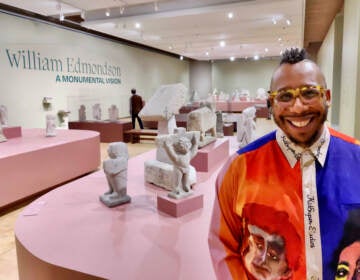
{"x":266,"y":259}
{"x":303,"y":118}
{"x":349,"y":263}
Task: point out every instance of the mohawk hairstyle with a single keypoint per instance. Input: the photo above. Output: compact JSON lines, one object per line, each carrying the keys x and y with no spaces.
{"x":293,"y":56}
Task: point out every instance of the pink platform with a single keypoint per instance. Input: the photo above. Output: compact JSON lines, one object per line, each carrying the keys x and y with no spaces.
{"x":180,"y":207}
{"x":209,"y":156}
{"x":12,"y":131}
{"x":69,"y":234}
{"x":34,"y":163}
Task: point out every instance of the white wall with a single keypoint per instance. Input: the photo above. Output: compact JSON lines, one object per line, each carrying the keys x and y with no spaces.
{"x":22,"y":90}
{"x":200,"y":78}
{"x":243,"y":74}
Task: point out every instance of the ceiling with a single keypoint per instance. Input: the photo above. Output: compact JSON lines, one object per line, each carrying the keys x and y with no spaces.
{"x":195,"y":28}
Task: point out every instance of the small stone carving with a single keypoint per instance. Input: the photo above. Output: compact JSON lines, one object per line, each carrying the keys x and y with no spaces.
{"x":2,"y":136}
{"x":261,"y":94}
{"x":113,"y":113}
{"x":219,"y":124}
{"x":3,"y":115}
{"x":82,"y":113}
{"x":181,"y":150}
{"x":203,"y":119}
{"x":50,"y":125}
{"x":96,"y":112}
{"x":246,"y":126}
{"x":115,"y":169}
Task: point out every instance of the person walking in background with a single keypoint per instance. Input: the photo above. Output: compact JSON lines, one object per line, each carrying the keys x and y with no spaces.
{"x":289,"y":191}
{"x":136,"y":104}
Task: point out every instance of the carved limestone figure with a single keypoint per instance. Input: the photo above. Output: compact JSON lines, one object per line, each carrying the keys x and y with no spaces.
{"x":50,"y":125}
{"x":82,"y":113}
{"x":113,"y":113}
{"x":181,"y":150}
{"x":203,"y":119}
{"x":96,"y":112}
{"x":115,"y":169}
{"x":246,"y":126}
{"x":2,"y":136}
{"x":3,"y":115}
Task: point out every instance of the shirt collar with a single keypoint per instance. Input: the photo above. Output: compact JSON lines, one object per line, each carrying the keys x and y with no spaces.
{"x":293,"y":152}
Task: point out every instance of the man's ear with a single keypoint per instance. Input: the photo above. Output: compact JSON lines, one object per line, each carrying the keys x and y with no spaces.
{"x":328,"y":97}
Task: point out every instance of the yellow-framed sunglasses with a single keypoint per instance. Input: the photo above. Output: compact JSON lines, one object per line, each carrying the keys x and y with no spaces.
{"x":306,"y":94}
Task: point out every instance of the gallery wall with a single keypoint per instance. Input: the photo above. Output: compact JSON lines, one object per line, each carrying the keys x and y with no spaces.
{"x":40,"y":60}
{"x":248,"y":74}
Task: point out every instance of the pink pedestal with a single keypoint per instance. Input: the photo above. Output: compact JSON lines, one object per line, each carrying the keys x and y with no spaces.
{"x":68,"y":233}
{"x":209,"y":156}
{"x":12,"y":131}
{"x":33,"y":163}
{"x":179,"y":207}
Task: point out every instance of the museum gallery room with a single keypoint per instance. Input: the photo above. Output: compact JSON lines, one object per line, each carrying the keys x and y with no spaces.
{"x":94,"y":188}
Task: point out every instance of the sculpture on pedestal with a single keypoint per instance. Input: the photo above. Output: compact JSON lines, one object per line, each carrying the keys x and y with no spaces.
{"x":113,"y":113}
{"x":2,"y":136}
{"x":202,"y":120}
{"x":115,"y":169}
{"x":163,"y":105}
{"x":3,"y":115}
{"x":82,"y":113}
{"x":181,"y":150}
{"x":50,"y":125}
{"x":96,"y":112}
{"x":246,"y":126}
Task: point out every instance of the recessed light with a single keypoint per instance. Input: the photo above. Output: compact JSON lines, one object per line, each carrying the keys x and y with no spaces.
{"x":232,"y":58}
{"x":207,"y":53}
{"x":137,"y":25}
{"x":222,"y":44}
{"x":107,"y":13}
{"x":266,"y":49}
{"x":230,"y":15}
{"x":256,"y":57}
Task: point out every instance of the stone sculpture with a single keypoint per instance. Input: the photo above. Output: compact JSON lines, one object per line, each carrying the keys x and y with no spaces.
{"x":3,"y":115}
{"x":163,"y":105}
{"x":115,"y":169}
{"x":82,"y":113}
{"x":160,"y":171}
{"x":113,"y":113}
{"x":246,"y":126}
{"x":181,"y":150}
{"x":261,"y":94}
{"x":219,"y":124}
{"x":203,"y":119}
{"x":50,"y":125}
{"x":96,"y":112}
{"x":2,"y":136}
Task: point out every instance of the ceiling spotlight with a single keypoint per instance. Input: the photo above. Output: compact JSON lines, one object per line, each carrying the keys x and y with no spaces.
{"x":207,"y":53}
{"x":232,"y":58}
{"x":230,"y":15}
{"x":288,"y":22}
{"x":107,"y":13}
{"x":222,"y":44}
{"x":181,"y":57}
{"x":137,"y":25}
{"x":266,"y":49}
{"x":256,"y":57}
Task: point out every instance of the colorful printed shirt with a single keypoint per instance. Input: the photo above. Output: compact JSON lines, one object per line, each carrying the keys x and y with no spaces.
{"x":259,"y":229}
